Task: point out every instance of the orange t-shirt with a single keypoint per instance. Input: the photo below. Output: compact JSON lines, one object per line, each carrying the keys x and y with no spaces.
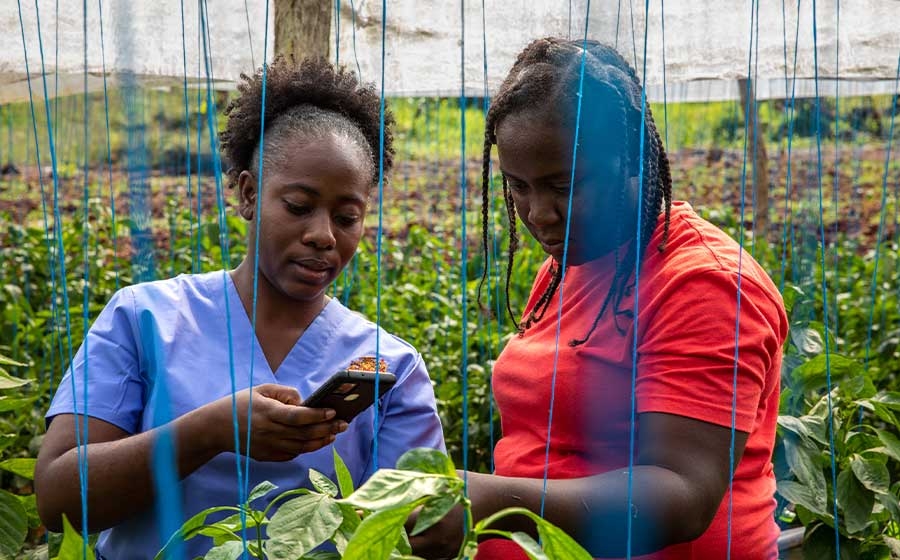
{"x":686,"y":327}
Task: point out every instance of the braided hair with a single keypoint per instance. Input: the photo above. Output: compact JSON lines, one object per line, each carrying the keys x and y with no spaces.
{"x":547,"y":74}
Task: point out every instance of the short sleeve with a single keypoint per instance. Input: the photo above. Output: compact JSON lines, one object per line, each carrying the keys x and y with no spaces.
{"x":410,"y":417}
{"x":108,"y":362}
{"x":686,"y":363}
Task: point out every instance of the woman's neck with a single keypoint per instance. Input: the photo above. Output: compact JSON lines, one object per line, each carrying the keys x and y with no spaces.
{"x":274,"y":308}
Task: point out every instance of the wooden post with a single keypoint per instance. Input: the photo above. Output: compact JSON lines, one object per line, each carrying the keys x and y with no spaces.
{"x":760,"y":162}
{"x":303,"y":28}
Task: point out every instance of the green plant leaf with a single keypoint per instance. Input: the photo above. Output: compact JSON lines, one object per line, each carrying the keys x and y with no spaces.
{"x":800,"y":494}
{"x":891,"y":443}
{"x":10,"y":404}
{"x":426,"y":460}
{"x":818,"y":542}
{"x":529,"y":545}
{"x":348,"y":527}
{"x":72,"y":545}
{"x":322,"y":483}
{"x":302,"y":524}
{"x":189,"y":529}
{"x":557,"y":544}
{"x":807,"y":340}
{"x":321,"y":555}
{"x":889,"y":399}
{"x":855,"y":501}
{"x":801,"y":460}
{"x":13,"y":524}
{"x":811,"y":375}
{"x":871,"y":473}
{"x":859,"y":387}
{"x":260,"y":490}
{"x":344,"y":479}
{"x":433,"y":511}
{"x":390,"y":488}
{"x":20,"y":467}
{"x":4,"y":361}
{"x":891,"y":504}
{"x":7,"y":381}
{"x":231,"y":550}
{"x":29,"y":502}
{"x":377,"y":535}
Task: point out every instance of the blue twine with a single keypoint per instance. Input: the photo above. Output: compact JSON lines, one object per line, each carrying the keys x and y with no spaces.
{"x":754,"y":19}
{"x":465,"y":246}
{"x":223,"y":243}
{"x":837,"y":162}
{"x":200,"y":116}
{"x":187,"y":154}
{"x":637,"y":285}
{"x":337,"y":32}
{"x":259,"y":188}
{"x":379,"y":240}
{"x":878,"y":239}
{"x":163,"y":460}
{"x":788,"y":202}
{"x":837,"y":534}
{"x":353,"y":33}
{"x":112,"y":193}
{"x":662,"y":18}
{"x":756,"y":141}
{"x":493,"y":253}
{"x":250,"y":33}
{"x":80,"y":434}
{"x":86,"y":263}
{"x":562,"y":280}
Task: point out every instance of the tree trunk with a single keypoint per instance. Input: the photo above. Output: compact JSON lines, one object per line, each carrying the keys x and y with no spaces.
{"x":756,"y":145}
{"x":303,"y":28}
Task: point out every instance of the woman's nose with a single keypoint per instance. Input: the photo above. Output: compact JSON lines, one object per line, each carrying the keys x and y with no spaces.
{"x":542,"y":210}
{"x":318,"y":232}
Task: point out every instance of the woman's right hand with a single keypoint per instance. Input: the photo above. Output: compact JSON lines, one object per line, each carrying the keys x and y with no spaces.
{"x":280,"y":428}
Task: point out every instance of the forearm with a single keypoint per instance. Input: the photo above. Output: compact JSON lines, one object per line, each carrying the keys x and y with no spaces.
{"x":120,"y":480}
{"x":593,"y":510}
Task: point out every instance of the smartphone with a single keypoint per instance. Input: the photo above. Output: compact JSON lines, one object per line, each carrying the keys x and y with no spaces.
{"x":350,"y":392}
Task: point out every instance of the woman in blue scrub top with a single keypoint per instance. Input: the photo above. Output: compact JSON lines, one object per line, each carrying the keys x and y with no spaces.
{"x":162,"y":353}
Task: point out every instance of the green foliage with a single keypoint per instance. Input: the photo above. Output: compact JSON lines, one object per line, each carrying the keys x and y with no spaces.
{"x":855,"y":426}
{"x":368,"y":524}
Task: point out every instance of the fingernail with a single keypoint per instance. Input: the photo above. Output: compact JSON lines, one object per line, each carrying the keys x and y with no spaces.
{"x":329,"y":414}
{"x":342,"y":426}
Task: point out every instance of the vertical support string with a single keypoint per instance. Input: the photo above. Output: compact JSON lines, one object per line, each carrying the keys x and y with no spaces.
{"x":379,"y":243}
{"x":464,"y":245}
{"x":828,"y":384}
{"x":754,"y":21}
{"x":562,"y":280}
{"x":637,"y":291}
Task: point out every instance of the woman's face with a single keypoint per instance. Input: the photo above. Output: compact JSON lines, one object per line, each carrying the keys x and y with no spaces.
{"x":536,"y":158}
{"x":314,"y":198}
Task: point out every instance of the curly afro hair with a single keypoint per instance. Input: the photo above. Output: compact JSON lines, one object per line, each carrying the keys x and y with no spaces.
{"x":311,"y":97}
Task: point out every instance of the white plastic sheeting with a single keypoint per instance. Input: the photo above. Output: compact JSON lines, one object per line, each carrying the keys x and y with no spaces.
{"x":707,"y":43}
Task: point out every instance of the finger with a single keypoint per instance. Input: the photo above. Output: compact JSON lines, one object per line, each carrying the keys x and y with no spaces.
{"x":281,"y":393}
{"x":312,"y":431}
{"x":291,"y":415}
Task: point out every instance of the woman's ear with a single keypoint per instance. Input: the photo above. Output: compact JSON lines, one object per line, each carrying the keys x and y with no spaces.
{"x":246,"y":195}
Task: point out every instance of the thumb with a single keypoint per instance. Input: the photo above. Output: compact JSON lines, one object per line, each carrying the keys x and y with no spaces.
{"x":281,"y":393}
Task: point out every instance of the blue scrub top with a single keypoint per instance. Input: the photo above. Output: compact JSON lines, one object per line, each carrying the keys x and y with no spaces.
{"x":190,"y":342}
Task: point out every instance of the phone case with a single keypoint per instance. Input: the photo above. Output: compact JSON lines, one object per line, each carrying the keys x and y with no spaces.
{"x":350,"y":392}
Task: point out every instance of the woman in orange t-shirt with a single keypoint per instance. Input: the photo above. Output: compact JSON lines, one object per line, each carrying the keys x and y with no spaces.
{"x":707,"y":319}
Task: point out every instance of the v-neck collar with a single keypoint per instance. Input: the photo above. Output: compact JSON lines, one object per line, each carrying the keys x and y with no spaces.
{"x":305,"y":344}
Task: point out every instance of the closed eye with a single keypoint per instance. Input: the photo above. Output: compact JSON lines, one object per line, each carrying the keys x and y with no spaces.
{"x":297,"y":209}
{"x":347,"y":221}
